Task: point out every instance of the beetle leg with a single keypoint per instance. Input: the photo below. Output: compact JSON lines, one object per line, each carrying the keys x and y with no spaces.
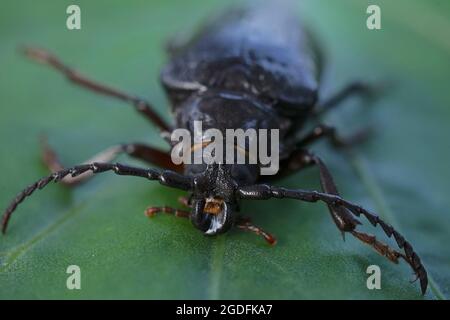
{"x":151,"y":211}
{"x":325,"y":131}
{"x":142,"y":106}
{"x":167,"y":178}
{"x":355,"y":88}
{"x":139,"y":151}
{"x":246,"y":225}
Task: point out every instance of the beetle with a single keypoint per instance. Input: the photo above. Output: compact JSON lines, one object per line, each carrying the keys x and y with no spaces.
{"x":250,"y":68}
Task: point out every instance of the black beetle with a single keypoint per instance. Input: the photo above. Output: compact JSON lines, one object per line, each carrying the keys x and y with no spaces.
{"x":251,"y":68}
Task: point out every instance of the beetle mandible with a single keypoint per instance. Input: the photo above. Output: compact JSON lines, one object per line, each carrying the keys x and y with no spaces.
{"x":250,"y":68}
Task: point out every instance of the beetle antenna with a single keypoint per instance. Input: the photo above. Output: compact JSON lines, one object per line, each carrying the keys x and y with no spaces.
{"x":262,"y":192}
{"x":166,"y":177}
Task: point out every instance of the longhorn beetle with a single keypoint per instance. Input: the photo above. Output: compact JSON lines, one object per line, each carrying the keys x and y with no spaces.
{"x":251,"y":68}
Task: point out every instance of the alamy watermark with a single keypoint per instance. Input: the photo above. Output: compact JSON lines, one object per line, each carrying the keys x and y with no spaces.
{"x":73,"y":21}
{"x":73,"y":281}
{"x":374,"y":280}
{"x":236,"y":147}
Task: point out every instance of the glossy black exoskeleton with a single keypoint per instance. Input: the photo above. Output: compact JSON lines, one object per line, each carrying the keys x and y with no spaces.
{"x":250,"y":68}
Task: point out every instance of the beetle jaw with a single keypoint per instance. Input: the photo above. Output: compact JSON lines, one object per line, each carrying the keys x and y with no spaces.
{"x":212,"y":215}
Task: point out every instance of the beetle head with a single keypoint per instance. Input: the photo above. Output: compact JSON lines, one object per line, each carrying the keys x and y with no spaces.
{"x":214,"y":203}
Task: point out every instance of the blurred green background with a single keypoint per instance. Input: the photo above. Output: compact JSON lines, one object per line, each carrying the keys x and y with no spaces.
{"x":402,"y":173}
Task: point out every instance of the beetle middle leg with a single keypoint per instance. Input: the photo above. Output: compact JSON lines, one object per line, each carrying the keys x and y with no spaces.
{"x":138,"y":151}
{"x":142,"y":106}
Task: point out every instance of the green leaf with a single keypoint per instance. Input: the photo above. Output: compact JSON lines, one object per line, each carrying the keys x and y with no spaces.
{"x":402,"y":173}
